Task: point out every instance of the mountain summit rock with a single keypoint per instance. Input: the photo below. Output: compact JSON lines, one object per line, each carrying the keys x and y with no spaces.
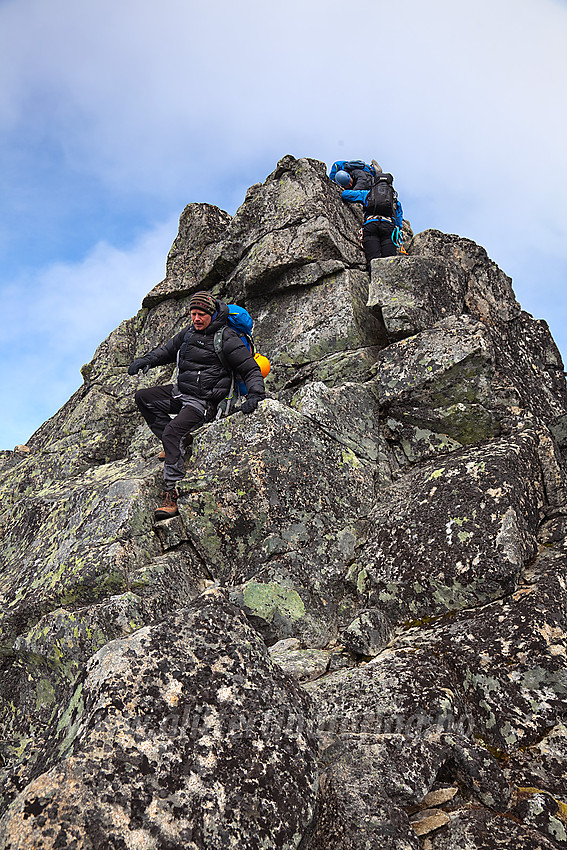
{"x":353,"y":634}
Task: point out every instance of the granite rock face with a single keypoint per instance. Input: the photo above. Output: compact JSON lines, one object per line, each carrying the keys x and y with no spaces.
{"x":354,"y":633}
{"x":215,"y":745}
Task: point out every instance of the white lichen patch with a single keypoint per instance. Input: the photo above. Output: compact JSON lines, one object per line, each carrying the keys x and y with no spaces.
{"x":172,"y":692}
{"x":225,"y":694}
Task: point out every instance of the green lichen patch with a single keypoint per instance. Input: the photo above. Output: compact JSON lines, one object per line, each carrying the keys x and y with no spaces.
{"x":263,"y":600}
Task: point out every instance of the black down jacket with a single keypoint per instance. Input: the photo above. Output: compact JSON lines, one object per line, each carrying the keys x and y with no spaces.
{"x":360,"y":179}
{"x":201,"y":374}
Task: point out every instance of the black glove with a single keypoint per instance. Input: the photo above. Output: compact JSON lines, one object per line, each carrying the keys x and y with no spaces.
{"x":136,"y":365}
{"x":251,"y":403}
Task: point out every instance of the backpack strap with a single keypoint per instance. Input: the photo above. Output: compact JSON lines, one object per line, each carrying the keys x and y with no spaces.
{"x":218,"y":342}
{"x":247,"y":340}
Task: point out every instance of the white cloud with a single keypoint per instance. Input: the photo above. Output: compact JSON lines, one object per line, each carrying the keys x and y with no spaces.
{"x":74,"y":301}
{"x":54,"y":319}
{"x":189,"y":92}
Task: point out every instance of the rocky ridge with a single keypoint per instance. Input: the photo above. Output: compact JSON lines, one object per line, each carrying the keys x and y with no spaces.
{"x":353,"y":635}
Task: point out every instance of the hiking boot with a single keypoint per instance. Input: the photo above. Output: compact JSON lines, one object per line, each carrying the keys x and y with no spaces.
{"x":161,"y":455}
{"x":168,"y":507}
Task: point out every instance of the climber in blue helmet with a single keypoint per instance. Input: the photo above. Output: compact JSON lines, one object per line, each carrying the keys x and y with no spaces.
{"x":383,"y":214}
{"x":353,"y":174}
{"x":344,"y":179}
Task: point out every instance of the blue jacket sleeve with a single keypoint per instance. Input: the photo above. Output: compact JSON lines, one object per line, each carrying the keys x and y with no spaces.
{"x":354,"y":196}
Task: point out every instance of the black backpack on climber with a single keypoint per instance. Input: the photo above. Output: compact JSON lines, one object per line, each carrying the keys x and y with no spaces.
{"x":382,"y":197}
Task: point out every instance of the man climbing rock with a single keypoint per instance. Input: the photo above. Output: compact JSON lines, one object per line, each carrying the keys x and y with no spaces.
{"x":354,"y":174}
{"x":383,"y":215}
{"x":202,"y":382}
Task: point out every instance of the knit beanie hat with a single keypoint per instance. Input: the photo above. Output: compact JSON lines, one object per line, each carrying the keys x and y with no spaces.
{"x":204,"y":302}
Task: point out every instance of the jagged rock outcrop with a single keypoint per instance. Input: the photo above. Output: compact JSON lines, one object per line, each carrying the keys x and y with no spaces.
{"x":354,"y":633}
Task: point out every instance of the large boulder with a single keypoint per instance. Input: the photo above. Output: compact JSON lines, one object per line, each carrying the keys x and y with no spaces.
{"x":270,"y":504}
{"x":413,"y":293}
{"x":452,"y":533}
{"x":321,"y":332}
{"x":182,"y":735}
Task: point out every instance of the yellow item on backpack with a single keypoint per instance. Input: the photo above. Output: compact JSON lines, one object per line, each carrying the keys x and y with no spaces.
{"x":263,"y":363}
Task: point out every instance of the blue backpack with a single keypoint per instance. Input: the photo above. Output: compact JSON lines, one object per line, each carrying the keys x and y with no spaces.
{"x":358,"y":163}
{"x":242,"y":322}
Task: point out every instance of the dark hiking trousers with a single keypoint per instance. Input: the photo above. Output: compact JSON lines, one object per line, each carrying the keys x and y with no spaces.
{"x":156,"y":404}
{"x":377,"y":240}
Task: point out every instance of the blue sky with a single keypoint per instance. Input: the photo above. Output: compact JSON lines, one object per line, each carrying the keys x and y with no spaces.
{"x":115,"y":114}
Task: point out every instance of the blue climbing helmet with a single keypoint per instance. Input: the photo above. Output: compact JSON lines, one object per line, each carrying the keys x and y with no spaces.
{"x":343,"y":178}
